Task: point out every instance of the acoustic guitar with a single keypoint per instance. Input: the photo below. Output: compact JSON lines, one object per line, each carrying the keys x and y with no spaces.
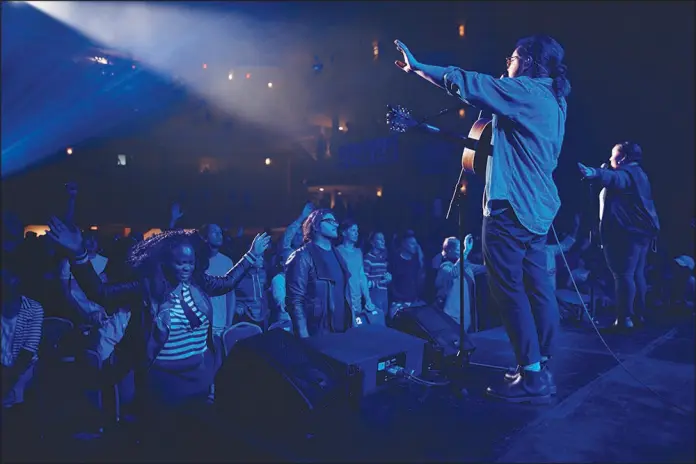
{"x":477,"y":145}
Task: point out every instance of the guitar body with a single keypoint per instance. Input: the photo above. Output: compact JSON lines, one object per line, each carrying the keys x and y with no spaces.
{"x":478,"y":147}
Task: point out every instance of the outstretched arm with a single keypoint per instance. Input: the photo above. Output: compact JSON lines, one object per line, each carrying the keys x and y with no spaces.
{"x":504,"y":97}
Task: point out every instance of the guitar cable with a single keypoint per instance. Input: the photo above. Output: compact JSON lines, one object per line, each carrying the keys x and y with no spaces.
{"x":604,"y":342}
{"x":577,"y":291}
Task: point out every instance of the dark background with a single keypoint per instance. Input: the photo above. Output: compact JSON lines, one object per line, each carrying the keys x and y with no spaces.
{"x":630,"y":65}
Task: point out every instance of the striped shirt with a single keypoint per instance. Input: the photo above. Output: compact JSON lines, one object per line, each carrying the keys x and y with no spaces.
{"x":375,"y":265}
{"x":184,"y":342}
{"x":22,"y":331}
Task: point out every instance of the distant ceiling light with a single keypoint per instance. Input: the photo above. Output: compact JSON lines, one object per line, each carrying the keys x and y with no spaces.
{"x":230,"y":76}
{"x":248,"y":75}
{"x":321,"y":189}
{"x":462,"y":30}
{"x":379,"y":192}
{"x":69,"y":151}
{"x":268,"y":161}
{"x":270,"y":85}
{"x":94,"y":228}
{"x":340,"y":193}
{"x":341,"y":128}
{"x":462,"y":113}
{"x":205,"y":66}
{"x":133,"y":66}
{"x":375,"y":49}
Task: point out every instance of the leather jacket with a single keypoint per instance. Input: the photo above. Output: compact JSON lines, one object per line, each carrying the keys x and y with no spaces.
{"x":309,"y":297}
{"x":150,"y":321}
{"x":628,"y":205}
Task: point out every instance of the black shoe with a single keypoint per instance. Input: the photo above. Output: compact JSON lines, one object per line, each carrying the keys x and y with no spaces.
{"x":528,"y":387}
{"x":512,"y":375}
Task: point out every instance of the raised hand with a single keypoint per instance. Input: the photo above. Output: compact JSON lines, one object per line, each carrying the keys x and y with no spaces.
{"x":468,"y":242}
{"x":71,"y":188}
{"x":176,"y":212}
{"x":409,"y":63}
{"x":260,"y":244}
{"x":587,"y":172}
{"x":69,"y":237}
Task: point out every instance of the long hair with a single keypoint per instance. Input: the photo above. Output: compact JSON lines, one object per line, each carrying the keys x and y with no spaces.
{"x":547,"y":59}
{"x":311,"y":224}
{"x":149,"y":258}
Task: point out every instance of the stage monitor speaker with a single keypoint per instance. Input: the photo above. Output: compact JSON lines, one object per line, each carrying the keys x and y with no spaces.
{"x":433,"y":325}
{"x":279,"y":385}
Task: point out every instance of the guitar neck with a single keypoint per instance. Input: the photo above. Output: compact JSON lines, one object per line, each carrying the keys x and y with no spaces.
{"x":447,"y":134}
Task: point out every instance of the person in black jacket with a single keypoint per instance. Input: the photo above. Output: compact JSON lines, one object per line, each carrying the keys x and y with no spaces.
{"x":628,"y":225}
{"x":317,"y":293}
{"x":169,"y":340}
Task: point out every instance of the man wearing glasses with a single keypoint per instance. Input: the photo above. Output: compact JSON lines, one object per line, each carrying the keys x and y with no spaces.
{"x":520,"y":199}
{"x":317,"y":294}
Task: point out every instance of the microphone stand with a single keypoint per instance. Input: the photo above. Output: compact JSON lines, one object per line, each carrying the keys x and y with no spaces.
{"x":458,"y":196}
{"x":595,"y":244}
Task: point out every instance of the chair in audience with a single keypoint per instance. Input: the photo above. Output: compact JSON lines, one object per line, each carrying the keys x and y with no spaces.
{"x":237,"y":332}
{"x":281,"y":325}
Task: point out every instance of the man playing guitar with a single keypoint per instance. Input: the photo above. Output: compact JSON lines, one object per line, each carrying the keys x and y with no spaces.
{"x":520,"y":198}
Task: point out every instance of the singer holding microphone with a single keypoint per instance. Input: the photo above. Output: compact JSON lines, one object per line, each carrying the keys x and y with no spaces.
{"x":628,"y":225}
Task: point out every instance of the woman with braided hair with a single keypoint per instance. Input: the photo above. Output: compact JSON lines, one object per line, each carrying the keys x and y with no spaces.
{"x":169,"y":341}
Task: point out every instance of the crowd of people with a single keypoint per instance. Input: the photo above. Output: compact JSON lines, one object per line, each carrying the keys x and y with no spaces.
{"x":157,"y":311}
{"x":158,"y":308}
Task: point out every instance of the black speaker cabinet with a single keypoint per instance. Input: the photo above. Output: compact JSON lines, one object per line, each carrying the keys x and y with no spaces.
{"x":279,"y":385}
{"x":436,"y":327}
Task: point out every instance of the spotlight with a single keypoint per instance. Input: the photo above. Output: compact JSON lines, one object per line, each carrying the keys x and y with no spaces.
{"x":205,"y":66}
{"x":268,"y":161}
{"x":341,"y":128}
{"x":270,"y":85}
{"x":462,"y":113}
{"x":321,"y":189}
{"x":248,"y":75}
{"x":379,"y":192}
{"x":69,"y":151}
{"x":461,"y":30}
{"x":230,"y":76}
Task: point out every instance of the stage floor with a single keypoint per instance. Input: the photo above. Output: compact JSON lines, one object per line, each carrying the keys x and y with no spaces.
{"x":600,"y":414}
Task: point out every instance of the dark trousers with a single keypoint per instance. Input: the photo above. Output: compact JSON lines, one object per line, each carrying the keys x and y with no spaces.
{"x":626,"y":257}
{"x":520,"y":285}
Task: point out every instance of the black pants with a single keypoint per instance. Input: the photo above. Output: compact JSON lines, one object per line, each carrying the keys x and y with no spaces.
{"x":626,"y":257}
{"x":520,"y":285}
